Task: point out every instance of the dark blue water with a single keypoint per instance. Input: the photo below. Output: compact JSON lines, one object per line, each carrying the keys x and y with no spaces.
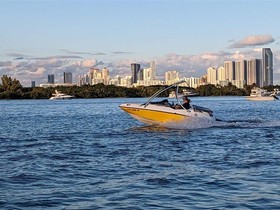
{"x":89,"y":154}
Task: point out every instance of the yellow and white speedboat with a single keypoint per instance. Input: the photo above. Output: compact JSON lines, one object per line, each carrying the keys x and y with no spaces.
{"x":166,"y":114}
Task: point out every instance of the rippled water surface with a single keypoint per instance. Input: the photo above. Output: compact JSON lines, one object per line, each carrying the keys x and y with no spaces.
{"x":89,"y":154}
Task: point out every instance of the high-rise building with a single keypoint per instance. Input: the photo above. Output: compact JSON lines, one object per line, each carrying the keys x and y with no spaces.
{"x":51,"y":79}
{"x":95,"y":76}
{"x":140,"y":75}
{"x":67,"y":77}
{"x":147,"y":74}
{"x":254,"y":72}
{"x":230,"y":70}
{"x":81,"y":80}
{"x":153,"y":70}
{"x":135,"y":68}
{"x":171,"y":77}
{"x":126,"y":81}
{"x":267,"y":67}
{"x":241,"y":70}
{"x":105,"y":76}
{"x":33,"y":84}
{"x":194,"y":82}
{"x":212,"y":75}
{"x":221,"y":74}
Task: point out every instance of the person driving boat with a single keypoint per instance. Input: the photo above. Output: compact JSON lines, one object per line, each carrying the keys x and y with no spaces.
{"x":186,"y":102}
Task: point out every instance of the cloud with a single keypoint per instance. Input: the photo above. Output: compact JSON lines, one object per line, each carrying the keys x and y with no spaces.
{"x":256,"y":40}
{"x":89,"y":63}
{"x":83,"y":53}
{"x":39,"y":72}
{"x":17,"y":56}
{"x":120,"y":52}
{"x":5,"y":63}
{"x":187,"y":65}
{"x":99,"y":53}
{"x":57,"y":57}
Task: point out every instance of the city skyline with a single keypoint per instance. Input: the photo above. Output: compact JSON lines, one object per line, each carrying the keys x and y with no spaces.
{"x":238,"y":72}
{"x":53,"y":37}
{"x":255,"y":71}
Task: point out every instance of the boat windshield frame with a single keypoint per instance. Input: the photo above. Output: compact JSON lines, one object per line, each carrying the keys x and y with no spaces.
{"x":175,"y":85}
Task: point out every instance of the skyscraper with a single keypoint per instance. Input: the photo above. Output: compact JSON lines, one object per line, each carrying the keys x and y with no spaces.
{"x":153,"y":70}
{"x":140,"y":74}
{"x":267,"y":67}
{"x":212,"y":75}
{"x":51,"y":79}
{"x":241,"y":70}
{"x":135,"y":68}
{"x":67,"y":77}
{"x":33,"y":84}
{"x":105,"y":76}
{"x":222,"y":74}
{"x":230,"y":70}
{"x":147,"y":74}
{"x":171,"y":77}
{"x":254,"y":72}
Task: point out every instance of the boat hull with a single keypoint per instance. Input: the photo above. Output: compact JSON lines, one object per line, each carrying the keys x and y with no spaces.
{"x":61,"y":98}
{"x":150,"y":116}
{"x":260,"y":98}
{"x":161,"y":115}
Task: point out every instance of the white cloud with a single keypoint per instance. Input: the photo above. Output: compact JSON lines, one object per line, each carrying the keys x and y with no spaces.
{"x":257,"y":49}
{"x":186,"y":65}
{"x":89,"y":63}
{"x":238,"y":56}
{"x":255,"y":40}
{"x":5,"y":64}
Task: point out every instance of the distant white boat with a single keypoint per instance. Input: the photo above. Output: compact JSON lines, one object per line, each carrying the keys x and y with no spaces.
{"x":258,"y":94}
{"x":59,"y":96}
{"x":172,"y":94}
{"x":189,"y":93}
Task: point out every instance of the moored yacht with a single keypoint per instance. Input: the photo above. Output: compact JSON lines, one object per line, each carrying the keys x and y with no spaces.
{"x":188,"y":93}
{"x":258,"y":94}
{"x":172,"y":94}
{"x":59,"y":96}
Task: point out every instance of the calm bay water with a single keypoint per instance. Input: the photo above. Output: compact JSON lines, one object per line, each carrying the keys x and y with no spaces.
{"x":89,"y":154}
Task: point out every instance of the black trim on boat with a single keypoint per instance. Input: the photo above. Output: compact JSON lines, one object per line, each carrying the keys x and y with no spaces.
{"x":202,"y":109}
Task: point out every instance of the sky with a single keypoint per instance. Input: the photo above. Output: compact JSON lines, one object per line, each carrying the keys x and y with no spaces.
{"x":41,"y":37}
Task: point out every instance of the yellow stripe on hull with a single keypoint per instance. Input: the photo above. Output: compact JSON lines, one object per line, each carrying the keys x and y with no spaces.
{"x":153,"y":116}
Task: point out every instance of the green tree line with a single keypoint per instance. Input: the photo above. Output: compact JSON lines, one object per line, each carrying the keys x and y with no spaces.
{"x":12,"y":89}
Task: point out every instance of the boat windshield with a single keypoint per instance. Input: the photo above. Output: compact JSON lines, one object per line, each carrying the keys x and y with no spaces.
{"x":175,"y":85}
